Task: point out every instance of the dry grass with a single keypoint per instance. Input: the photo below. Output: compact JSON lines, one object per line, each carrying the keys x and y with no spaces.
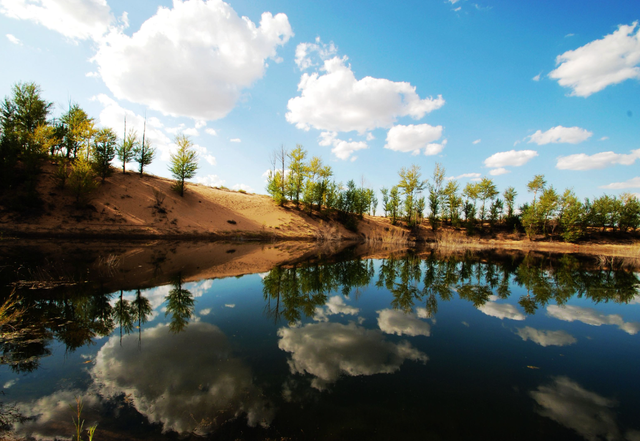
{"x":10,"y":311}
{"x":327,"y":233}
{"x":447,"y":239}
{"x":392,"y":237}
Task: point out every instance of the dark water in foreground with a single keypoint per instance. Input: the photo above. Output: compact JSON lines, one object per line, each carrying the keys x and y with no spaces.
{"x":454,"y":347}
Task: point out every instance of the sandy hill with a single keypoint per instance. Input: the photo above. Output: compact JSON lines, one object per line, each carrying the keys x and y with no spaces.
{"x":127,"y":205}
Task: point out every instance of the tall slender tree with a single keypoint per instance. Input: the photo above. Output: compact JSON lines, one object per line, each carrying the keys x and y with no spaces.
{"x":183,"y":164}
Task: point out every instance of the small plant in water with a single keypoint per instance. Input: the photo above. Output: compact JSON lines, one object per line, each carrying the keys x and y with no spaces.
{"x":78,"y":422}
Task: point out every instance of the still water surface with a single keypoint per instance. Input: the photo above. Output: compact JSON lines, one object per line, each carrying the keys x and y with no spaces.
{"x":405,"y":347}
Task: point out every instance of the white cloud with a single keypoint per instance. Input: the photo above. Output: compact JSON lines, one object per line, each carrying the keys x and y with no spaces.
{"x":329,"y":350}
{"x":192,"y":60}
{"x":192,"y":131}
{"x":335,"y":305}
{"x":342,"y":149}
{"x":205,"y":311}
{"x":412,"y":138}
{"x":210,"y":180}
{"x":604,"y":138}
{"x":477,"y":141}
{"x":512,"y":158}
{"x":211,"y":132}
{"x":537,"y":77}
{"x":75,"y":19}
{"x":582,"y":161}
{"x":591,"y":317}
{"x":601,"y":63}
{"x":370,"y":137}
{"x":112,"y":115}
{"x":499,"y":171}
{"x":203,"y":153}
{"x":559,"y":134}
{"x":453,"y":2}
{"x":200,"y":124}
{"x":229,"y":305}
{"x":631,"y":183}
{"x":576,"y":408}
{"x":391,"y":321}
{"x":472,"y":176}
{"x":224,"y":384}
{"x":243,"y":187}
{"x":335,"y":101}
{"x":92,"y":75}
{"x":546,"y":338}
{"x":13,"y":39}
{"x":501,"y":311}
{"x":235,"y":140}
{"x":435,"y":148}
{"x":304,"y":51}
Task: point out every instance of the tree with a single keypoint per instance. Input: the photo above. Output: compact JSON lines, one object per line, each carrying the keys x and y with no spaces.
{"x":411,"y":184}
{"x":22,"y":116}
{"x":571,"y":216}
{"x":471,"y":192}
{"x":630,"y":212}
{"x":537,"y":184}
{"x":82,"y":180}
{"x":435,"y":195}
{"x":183,"y":164}
{"x":509,"y":198}
{"x":22,"y":113}
{"x":393,"y":206}
{"x":78,"y":130}
{"x":452,"y":202}
{"x":144,"y":153}
{"x":104,"y":150}
{"x":385,"y":200}
{"x":486,"y":190}
{"x":127,"y":150}
{"x":297,"y":174}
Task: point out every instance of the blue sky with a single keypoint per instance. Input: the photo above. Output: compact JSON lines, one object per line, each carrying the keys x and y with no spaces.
{"x":490,"y":88}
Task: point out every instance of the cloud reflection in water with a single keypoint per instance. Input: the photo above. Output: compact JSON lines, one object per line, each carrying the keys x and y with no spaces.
{"x":328,"y":350}
{"x":188,"y":381}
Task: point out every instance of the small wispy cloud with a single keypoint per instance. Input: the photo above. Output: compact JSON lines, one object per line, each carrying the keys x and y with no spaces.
{"x":477,"y":141}
{"x":13,"y":39}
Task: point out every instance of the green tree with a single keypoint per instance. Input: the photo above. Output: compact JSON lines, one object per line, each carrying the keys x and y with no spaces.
{"x":486,"y":190}
{"x":104,"y":151}
{"x":393,"y":206}
{"x":471,"y":192}
{"x":571,"y":213}
{"x":144,"y":154}
{"x":82,"y":180}
{"x":180,"y":305}
{"x":385,"y":200}
{"x":630,"y":212}
{"x":297,"y":173}
{"x":127,"y":149}
{"x":411,"y":185}
{"x":436,"y":195}
{"x":452,"y":202}
{"x":509,"y":195}
{"x":78,"y":129}
{"x":183,"y":164}
{"x":23,"y":112}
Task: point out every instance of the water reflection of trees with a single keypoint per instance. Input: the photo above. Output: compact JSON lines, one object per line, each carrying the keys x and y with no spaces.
{"x":424,"y":281}
{"x":75,"y":317}
{"x":291,"y":292}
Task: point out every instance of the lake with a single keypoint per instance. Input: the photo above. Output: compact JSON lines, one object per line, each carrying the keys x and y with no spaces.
{"x":285,"y":341}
